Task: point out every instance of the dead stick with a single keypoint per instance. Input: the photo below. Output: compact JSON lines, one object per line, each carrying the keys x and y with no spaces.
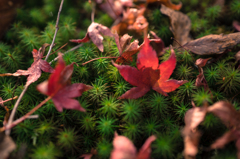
{"x":72,"y":49}
{"x":15,"y":108}
{"x":97,"y":59}
{"x":9,"y":126}
{"x":55,"y":34}
{"x":58,"y":49}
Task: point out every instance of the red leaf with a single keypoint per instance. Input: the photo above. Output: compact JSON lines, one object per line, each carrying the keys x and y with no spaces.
{"x":124,"y":148}
{"x":59,"y":87}
{"x":34,"y":72}
{"x":149,"y":75}
{"x":95,"y":32}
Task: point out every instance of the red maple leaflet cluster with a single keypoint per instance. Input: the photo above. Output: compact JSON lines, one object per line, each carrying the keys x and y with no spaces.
{"x":149,"y":75}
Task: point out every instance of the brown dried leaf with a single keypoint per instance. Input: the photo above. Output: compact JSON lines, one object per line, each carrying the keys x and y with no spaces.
{"x":95,"y":32}
{"x":213,"y":44}
{"x":191,"y":135}
{"x":6,"y":145}
{"x":222,"y":141}
{"x":201,"y":81}
{"x":226,"y":112}
{"x":133,"y":20}
{"x":114,"y":9}
{"x":180,"y":25}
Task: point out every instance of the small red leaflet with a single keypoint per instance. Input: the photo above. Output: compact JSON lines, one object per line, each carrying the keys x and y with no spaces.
{"x":60,"y":89}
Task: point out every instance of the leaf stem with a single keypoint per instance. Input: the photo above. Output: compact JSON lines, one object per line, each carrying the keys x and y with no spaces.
{"x":97,"y":59}
{"x":58,"y":49}
{"x":55,"y":34}
{"x":15,"y":108}
{"x":9,"y":126}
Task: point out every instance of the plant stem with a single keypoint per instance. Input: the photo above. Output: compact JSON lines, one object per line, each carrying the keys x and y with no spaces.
{"x":58,"y":49}
{"x":97,"y":59}
{"x":72,"y":49}
{"x":8,"y":99}
{"x":56,"y":26}
{"x":93,"y":11}
{"x":9,"y":126}
{"x":15,"y":108}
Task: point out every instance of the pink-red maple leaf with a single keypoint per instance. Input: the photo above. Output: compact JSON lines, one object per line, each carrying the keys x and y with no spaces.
{"x":34,"y":72}
{"x":149,"y":75}
{"x":60,"y":89}
{"x":124,"y":148}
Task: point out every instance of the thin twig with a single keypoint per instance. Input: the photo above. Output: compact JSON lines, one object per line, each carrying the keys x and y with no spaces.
{"x":15,"y":108}
{"x":14,"y":89}
{"x":55,"y":34}
{"x":93,"y":11}
{"x":97,"y":59}
{"x":9,"y":126}
{"x":72,"y":49}
{"x":57,"y":49}
{"x":9,"y":99}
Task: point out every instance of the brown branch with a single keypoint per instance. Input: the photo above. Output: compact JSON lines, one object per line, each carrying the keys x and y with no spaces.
{"x":9,"y":99}
{"x":55,"y":34}
{"x":57,"y":49}
{"x":97,"y":59}
{"x":9,"y":126}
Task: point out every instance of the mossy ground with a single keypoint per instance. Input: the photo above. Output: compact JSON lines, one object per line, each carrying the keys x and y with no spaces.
{"x":72,"y":133}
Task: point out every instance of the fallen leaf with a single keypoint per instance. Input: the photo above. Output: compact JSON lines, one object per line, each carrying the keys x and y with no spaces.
{"x":167,"y":3}
{"x":201,"y":81}
{"x":149,"y":75}
{"x":133,"y":20}
{"x":95,"y":32}
{"x":6,"y":145}
{"x":124,"y":148}
{"x":127,"y":48}
{"x":60,"y":89}
{"x":191,"y":135}
{"x":34,"y":72}
{"x":180,"y":25}
{"x":230,"y":117}
{"x":213,"y":44}
{"x":236,"y":25}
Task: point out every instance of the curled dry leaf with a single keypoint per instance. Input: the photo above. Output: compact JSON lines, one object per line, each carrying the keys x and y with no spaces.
{"x":230,"y":117}
{"x":201,"y":81}
{"x":149,"y":75}
{"x":236,"y":25}
{"x":213,"y":44}
{"x":6,"y":145}
{"x":60,"y":89}
{"x":133,"y":20}
{"x":191,"y":135}
{"x":34,"y":72}
{"x":180,"y":25}
{"x":128,"y":49}
{"x":124,"y":148}
{"x":95,"y":32}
